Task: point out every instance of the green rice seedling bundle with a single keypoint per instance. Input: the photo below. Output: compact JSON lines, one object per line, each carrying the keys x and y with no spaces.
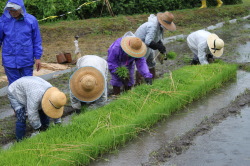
{"x":122,"y":72}
{"x":99,"y":131}
{"x":171,"y":55}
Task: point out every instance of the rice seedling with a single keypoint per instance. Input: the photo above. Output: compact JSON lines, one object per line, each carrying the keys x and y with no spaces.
{"x":122,"y":72}
{"x":171,"y":55}
{"x":96,"y":132}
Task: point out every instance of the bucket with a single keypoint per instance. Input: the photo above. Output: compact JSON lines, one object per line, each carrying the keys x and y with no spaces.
{"x":68,"y":57}
{"x":61,"y":58}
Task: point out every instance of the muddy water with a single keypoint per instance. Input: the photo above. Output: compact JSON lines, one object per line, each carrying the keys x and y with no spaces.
{"x":226,"y":144}
{"x":138,"y":151}
{"x":244,"y":52}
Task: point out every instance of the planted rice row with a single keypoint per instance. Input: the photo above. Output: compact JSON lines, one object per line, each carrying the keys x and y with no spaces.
{"x":99,"y":131}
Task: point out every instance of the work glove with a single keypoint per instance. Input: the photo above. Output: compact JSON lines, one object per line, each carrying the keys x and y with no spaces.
{"x":125,"y":80}
{"x":148,"y":81}
{"x":158,"y":46}
{"x":42,"y":128}
{"x":161,"y":48}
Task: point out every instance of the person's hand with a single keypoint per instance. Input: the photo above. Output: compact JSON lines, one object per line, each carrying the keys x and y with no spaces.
{"x":148,"y":81}
{"x":161,"y":47}
{"x":42,"y":128}
{"x":38,"y":64}
{"x":125,"y":80}
{"x":165,"y":56}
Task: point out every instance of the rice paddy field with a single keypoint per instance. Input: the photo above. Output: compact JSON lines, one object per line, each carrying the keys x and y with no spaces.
{"x":104,"y":129}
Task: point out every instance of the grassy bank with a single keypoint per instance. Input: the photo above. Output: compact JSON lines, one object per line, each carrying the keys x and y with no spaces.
{"x":99,"y":131}
{"x":96,"y":35}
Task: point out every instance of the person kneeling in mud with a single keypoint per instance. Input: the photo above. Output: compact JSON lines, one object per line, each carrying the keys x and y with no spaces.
{"x":39,"y":100}
{"x":127,"y":52}
{"x":88,"y":84}
{"x":205,"y":46}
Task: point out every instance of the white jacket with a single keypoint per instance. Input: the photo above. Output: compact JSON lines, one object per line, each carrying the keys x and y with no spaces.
{"x":98,"y":63}
{"x":197,"y":42}
{"x":27,"y":92}
{"x":150,"y":31}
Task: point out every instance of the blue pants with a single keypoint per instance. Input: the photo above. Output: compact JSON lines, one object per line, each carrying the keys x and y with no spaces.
{"x":21,"y":122}
{"x":13,"y":73}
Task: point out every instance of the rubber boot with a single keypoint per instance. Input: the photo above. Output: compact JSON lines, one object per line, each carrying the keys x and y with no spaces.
{"x":116,"y":90}
{"x":138,"y":78}
{"x":152,"y":71}
{"x":203,"y":4}
{"x":219,"y":3}
{"x":20,"y":130}
{"x":20,"y":124}
{"x":126,"y":88}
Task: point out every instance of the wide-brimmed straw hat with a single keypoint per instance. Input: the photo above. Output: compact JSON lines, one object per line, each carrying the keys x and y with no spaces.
{"x":166,"y":20}
{"x":87,"y":84}
{"x":134,"y":46}
{"x":215,"y":45}
{"x":53,"y":102}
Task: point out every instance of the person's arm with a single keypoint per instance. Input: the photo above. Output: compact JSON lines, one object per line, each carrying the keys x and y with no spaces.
{"x":32,"y":110}
{"x":202,"y":53}
{"x":142,"y":67}
{"x":37,"y":44}
{"x":1,"y":33}
{"x":113,"y":59}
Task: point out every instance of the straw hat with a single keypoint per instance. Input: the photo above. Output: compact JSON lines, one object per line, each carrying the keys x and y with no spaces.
{"x":53,"y":102}
{"x":215,"y":44}
{"x":166,"y":20}
{"x":87,"y":84}
{"x":134,"y":46}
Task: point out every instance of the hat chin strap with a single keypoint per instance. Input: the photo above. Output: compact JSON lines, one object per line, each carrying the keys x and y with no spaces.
{"x":53,"y":105}
{"x":215,"y":49}
{"x":168,"y":22}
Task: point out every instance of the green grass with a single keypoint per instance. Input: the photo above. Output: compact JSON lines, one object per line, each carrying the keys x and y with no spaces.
{"x":99,"y":131}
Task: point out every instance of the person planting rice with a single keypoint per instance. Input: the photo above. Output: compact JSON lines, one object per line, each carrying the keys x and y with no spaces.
{"x":88,"y":84}
{"x":124,"y":52}
{"x":204,"y":46}
{"x":151,"y":33}
{"x":36,"y":98}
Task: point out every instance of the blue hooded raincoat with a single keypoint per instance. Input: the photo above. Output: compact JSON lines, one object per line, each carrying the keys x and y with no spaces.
{"x":20,"y":39}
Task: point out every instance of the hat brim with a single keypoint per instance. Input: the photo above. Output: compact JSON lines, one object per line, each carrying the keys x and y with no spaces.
{"x":170,"y":27}
{"x":48,"y":108}
{"x":210,"y":43}
{"x":132,"y":52}
{"x":79,"y":92}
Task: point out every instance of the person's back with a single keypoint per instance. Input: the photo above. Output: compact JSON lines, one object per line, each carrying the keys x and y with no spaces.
{"x":37,"y":99}
{"x":88,"y":84}
{"x":197,"y":38}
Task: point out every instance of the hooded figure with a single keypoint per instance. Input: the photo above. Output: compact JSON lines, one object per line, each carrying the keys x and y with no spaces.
{"x":37,"y":99}
{"x":151,"y":33}
{"x":88,"y":84}
{"x":20,"y":40}
{"x":205,"y":46}
{"x":127,"y":51}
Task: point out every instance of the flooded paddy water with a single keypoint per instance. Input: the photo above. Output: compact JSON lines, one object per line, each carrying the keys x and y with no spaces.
{"x":141,"y":150}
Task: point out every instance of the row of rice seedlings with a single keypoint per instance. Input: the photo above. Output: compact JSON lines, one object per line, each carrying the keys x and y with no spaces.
{"x":99,"y":131}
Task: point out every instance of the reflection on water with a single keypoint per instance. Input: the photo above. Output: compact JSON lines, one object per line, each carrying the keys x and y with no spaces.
{"x":244,"y":53}
{"x":226,"y":144}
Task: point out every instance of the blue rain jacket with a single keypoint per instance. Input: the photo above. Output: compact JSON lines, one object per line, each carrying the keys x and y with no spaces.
{"x":20,"y":39}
